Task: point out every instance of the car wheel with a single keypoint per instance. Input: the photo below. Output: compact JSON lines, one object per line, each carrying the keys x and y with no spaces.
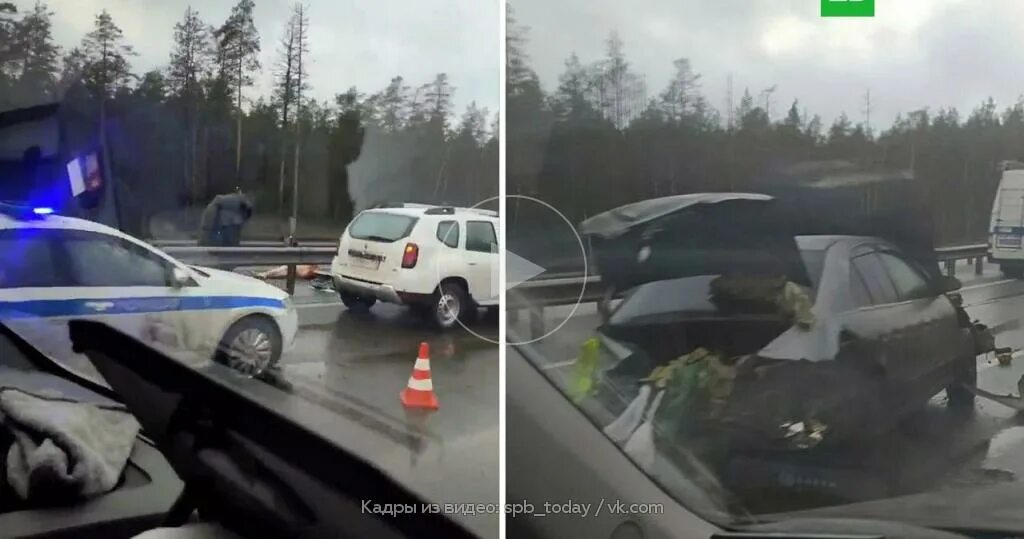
{"x":251,"y":346}
{"x":1013,"y":272}
{"x":965,"y":373}
{"x":356,"y":303}
{"x":450,"y":305}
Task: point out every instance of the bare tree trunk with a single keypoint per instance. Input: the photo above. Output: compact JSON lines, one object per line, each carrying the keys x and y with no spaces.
{"x":194,"y":151}
{"x":238,"y":138}
{"x":201,"y":190}
{"x":300,"y":49}
{"x":293,"y":223}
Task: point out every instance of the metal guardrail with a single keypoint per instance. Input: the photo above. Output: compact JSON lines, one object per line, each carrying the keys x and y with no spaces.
{"x":252,"y":256}
{"x":165,"y":244}
{"x":949,"y":256}
{"x":247,"y":255}
{"x":562,"y":289}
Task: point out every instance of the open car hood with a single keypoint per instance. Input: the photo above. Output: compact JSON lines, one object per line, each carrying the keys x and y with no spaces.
{"x":698,"y":234}
{"x":754,"y":233}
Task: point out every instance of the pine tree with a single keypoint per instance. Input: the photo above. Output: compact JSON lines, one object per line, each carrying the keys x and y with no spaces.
{"x":392,"y":105}
{"x":680,"y":98}
{"x":190,"y":62}
{"x":106,"y":66}
{"x":38,"y":54}
{"x":574,"y":85}
{"x":238,"y":55}
{"x":439,"y":100}
{"x":8,"y":44}
{"x":300,"y":50}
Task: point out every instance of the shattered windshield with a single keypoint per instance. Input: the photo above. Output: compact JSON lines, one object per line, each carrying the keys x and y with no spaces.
{"x":857,"y":359}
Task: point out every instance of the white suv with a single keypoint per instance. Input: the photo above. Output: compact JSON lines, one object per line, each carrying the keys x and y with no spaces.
{"x":439,"y":260}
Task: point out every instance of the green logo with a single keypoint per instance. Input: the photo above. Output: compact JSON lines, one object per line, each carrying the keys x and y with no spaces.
{"x":847,"y":8}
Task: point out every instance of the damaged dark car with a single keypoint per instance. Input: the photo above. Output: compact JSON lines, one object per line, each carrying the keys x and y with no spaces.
{"x":751,"y":323}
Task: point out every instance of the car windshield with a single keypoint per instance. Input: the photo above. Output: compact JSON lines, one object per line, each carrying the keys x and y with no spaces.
{"x":855,"y":379}
{"x":185,"y":174}
{"x":381,"y":226}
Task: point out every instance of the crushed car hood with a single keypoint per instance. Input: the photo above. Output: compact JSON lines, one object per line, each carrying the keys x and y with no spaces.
{"x":753,"y":233}
{"x":690,"y":235}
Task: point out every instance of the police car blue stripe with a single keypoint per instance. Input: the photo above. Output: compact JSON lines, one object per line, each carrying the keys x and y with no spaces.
{"x":44,"y":308}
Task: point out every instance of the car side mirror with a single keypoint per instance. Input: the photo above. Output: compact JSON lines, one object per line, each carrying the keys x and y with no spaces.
{"x":949,"y":284}
{"x":180,"y":278}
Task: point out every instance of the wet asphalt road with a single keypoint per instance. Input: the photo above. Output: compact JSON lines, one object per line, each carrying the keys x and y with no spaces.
{"x":349,"y":362}
{"x":936,"y":449}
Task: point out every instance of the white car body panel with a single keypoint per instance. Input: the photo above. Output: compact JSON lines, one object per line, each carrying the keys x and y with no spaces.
{"x":192,"y":319}
{"x":1006,"y":230}
{"x":374,"y":268}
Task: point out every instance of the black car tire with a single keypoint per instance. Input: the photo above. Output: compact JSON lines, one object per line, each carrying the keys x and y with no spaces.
{"x":356,"y":303}
{"x":1012,"y":271}
{"x":458,"y":298}
{"x":965,"y":373}
{"x":264,"y":330}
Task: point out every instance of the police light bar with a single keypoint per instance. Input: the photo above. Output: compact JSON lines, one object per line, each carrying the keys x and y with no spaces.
{"x":23,"y":212}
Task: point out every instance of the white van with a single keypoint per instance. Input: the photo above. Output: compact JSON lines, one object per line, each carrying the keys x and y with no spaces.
{"x":1007,"y":226}
{"x":439,"y":260}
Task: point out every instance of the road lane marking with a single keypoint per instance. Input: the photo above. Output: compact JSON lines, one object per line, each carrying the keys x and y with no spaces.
{"x":983,"y":285}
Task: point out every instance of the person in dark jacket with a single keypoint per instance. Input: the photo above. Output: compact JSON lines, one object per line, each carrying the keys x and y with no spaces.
{"x":223,"y":219}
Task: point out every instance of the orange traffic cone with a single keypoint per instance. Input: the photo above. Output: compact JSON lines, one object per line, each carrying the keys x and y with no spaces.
{"x":419,"y":392}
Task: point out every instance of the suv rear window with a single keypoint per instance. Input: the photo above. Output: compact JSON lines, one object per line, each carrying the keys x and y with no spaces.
{"x":380,"y":226}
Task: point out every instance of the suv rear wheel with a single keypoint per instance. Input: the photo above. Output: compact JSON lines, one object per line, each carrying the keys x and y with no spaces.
{"x":356,"y":303}
{"x":451,"y":304}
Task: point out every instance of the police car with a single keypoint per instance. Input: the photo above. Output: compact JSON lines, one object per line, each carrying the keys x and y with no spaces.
{"x":55,"y":268}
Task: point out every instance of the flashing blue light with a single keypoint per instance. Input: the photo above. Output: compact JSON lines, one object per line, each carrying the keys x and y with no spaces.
{"x":42,"y":211}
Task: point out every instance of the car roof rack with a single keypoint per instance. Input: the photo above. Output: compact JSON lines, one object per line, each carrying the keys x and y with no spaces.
{"x":489,"y":213}
{"x":23,"y":212}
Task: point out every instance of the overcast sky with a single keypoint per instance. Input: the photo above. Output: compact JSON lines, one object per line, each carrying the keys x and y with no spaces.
{"x":353,"y":42}
{"x":913,"y":53}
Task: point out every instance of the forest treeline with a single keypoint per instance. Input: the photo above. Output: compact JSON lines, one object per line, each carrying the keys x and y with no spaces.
{"x":197,"y":126}
{"x":600,"y":139}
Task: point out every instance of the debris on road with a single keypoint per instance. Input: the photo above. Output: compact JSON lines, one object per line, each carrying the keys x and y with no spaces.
{"x":1005,"y":356}
{"x":320,"y":283}
{"x":302,"y":272}
{"x":1012,"y":401}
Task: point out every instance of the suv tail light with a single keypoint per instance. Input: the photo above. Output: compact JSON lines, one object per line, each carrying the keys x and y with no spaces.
{"x":410,"y":255}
